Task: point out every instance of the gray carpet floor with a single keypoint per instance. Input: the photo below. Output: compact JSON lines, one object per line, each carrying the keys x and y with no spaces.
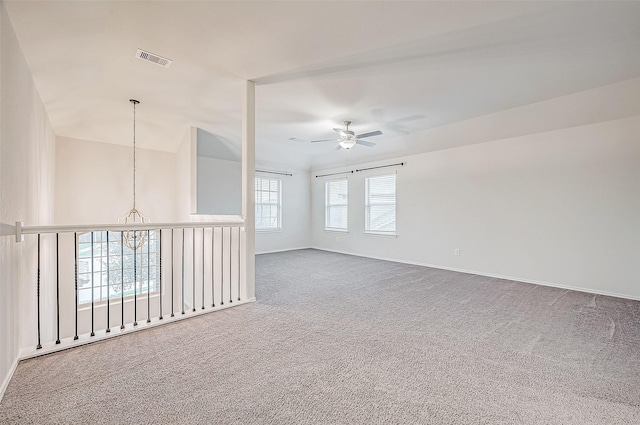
{"x":336,"y":339}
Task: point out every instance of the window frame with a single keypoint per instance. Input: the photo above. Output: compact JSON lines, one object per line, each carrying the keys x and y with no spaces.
{"x":368,"y":204}
{"x":327,"y":206}
{"x":278,"y":227}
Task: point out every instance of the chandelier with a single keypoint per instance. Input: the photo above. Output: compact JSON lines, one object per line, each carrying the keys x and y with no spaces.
{"x":134,"y":239}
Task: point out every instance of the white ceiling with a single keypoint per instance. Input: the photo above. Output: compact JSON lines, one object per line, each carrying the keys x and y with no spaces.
{"x":401,"y":67}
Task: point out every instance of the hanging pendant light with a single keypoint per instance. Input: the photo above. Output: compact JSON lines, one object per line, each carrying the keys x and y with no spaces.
{"x":134,"y":239}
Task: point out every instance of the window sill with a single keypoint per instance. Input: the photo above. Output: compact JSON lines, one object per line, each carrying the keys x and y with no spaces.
{"x":269,"y":230}
{"x":118,"y":300}
{"x":389,"y":235}
{"x":336,"y":230}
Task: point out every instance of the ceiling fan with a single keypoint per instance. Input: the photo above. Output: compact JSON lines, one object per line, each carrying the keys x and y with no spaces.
{"x":349,"y":139}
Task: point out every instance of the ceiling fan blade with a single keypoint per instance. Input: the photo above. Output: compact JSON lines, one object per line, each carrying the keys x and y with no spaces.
{"x":323,"y":140}
{"x":340,"y":132}
{"x":365,"y":143}
{"x":372,"y":133}
{"x":295,"y":139}
{"x":338,"y":147}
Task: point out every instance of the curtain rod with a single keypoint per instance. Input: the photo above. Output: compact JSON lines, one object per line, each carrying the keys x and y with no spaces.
{"x":274,"y":172}
{"x":334,"y":174}
{"x":362,"y":169}
{"x":382,"y":166}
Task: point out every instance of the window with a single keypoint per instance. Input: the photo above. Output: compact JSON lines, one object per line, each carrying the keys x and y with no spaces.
{"x":380,"y":204}
{"x":147,"y":268}
{"x":268,"y":203}
{"x":336,"y":203}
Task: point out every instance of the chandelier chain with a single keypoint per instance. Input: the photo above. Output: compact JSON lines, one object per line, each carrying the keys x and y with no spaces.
{"x":134,"y":239}
{"x":134,"y":155}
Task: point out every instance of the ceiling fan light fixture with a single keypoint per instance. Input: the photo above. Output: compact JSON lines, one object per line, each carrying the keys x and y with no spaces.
{"x":348,"y":142}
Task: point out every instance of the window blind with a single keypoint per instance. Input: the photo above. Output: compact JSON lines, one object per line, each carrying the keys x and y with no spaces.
{"x":268,"y":203}
{"x":336,"y":204}
{"x":380,"y":204}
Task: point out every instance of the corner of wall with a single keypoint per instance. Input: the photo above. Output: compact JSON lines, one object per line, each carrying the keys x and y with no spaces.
{"x":185,"y":175}
{"x":27,"y":158}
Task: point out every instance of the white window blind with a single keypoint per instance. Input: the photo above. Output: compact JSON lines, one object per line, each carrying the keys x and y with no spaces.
{"x":380,"y":204}
{"x":336,"y":204}
{"x":268,"y":203}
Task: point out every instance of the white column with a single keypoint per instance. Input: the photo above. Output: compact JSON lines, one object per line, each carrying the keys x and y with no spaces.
{"x":248,"y":194}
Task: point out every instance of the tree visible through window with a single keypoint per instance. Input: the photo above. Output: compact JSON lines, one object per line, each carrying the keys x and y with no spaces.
{"x":120,"y":265}
{"x":380,"y":204}
{"x":268,"y":203}
{"x":336,"y":204}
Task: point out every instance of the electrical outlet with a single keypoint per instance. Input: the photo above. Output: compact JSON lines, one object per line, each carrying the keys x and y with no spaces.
{"x":456,"y":251}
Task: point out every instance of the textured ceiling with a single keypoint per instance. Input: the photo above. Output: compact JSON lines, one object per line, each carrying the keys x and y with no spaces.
{"x":401,"y":67}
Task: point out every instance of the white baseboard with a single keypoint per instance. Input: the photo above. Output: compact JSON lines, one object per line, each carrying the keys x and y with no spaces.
{"x":7,"y":379}
{"x":284,"y":250}
{"x":498,"y":276}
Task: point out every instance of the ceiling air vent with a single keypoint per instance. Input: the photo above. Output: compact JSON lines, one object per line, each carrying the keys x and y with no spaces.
{"x":158,"y":60}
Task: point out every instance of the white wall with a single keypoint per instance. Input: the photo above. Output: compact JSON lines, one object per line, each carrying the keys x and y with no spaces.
{"x":94,"y":182}
{"x":296,"y":216}
{"x":219,"y":186}
{"x":26,"y":188}
{"x":559,"y":207}
{"x":218,"y":175}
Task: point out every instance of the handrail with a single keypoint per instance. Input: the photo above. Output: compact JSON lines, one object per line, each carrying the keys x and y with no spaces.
{"x":31,"y":230}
